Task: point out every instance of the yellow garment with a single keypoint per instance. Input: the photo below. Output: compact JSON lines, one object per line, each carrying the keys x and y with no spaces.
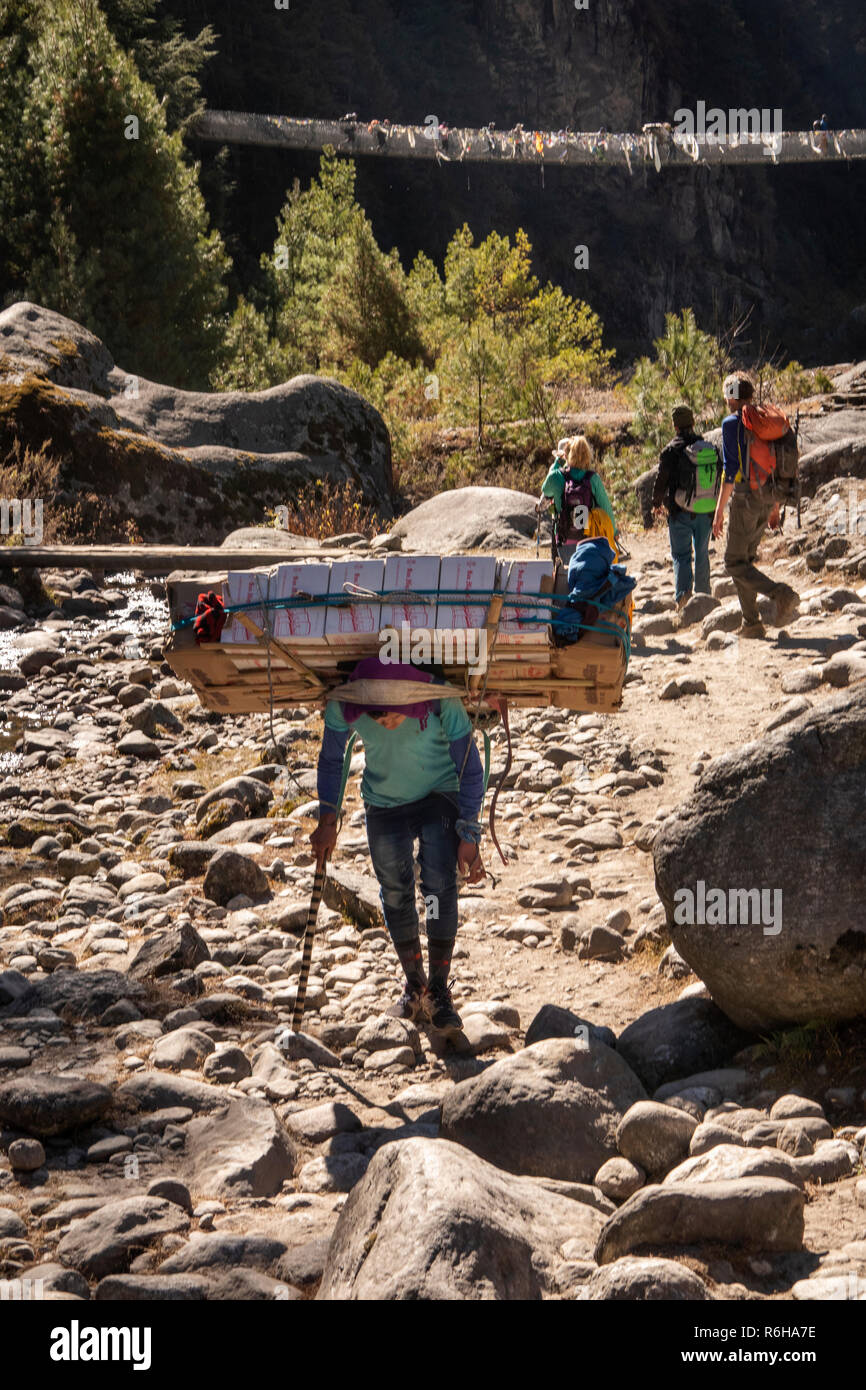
{"x":600,"y":524}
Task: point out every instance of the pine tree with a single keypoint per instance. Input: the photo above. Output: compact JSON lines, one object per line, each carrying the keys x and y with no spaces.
{"x":684,"y":371}
{"x":365,"y":311}
{"x":250,"y":360}
{"x":121,"y":237}
{"x":311,"y":234}
{"x":164,"y":55}
{"x":24,"y":208}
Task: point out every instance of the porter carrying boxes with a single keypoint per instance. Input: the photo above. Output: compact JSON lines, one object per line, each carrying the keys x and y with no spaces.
{"x":265,"y":639}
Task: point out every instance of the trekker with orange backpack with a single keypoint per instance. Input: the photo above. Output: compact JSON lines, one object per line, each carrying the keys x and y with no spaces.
{"x":760,"y":459}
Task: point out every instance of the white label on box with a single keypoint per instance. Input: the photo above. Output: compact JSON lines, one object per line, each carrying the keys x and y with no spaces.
{"x":243,"y":587}
{"x":300,"y":622}
{"x":362,"y":617}
{"x":525,"y":576}
{"x":408,"y":572}
{"x":464,"y":574}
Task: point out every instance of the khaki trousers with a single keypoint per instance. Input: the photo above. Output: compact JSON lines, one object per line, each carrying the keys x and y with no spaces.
{"x":747,"y":523}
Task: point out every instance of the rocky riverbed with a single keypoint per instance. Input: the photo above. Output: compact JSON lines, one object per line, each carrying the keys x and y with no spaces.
{"x":614,"y":1135}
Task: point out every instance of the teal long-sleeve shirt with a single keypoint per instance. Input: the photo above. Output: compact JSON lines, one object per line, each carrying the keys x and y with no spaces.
{"x":405,"y":764}
{"x":554,"y":488}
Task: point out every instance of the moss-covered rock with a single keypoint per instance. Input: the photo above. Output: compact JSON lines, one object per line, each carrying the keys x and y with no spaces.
{"x":122,"y":457}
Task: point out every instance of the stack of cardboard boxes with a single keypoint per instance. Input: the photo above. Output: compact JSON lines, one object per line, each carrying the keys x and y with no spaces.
{"x":425,"y":608}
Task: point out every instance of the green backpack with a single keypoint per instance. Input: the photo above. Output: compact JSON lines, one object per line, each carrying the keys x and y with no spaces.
{"x":699,"y":475}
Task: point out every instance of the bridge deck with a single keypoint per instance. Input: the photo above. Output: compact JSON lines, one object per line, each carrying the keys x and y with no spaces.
{"x":658,"y":145}
{"x":156,"y":559}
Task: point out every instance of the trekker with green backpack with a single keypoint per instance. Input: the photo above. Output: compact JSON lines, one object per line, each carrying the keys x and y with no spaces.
{"x":687,"y":483}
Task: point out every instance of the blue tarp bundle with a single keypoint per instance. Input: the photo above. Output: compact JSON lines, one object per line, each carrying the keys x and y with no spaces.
{"x":593,"y":578}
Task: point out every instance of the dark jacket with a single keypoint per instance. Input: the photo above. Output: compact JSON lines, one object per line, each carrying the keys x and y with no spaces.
{"x":666,"y":479}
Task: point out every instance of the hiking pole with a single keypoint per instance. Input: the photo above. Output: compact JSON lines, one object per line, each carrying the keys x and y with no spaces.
{"x":315,"y":900}
{"x":799,"y":480}
{"x":538,"y":515}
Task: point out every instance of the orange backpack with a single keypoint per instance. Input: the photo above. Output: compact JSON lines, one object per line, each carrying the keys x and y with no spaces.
{"x":764,"y":424}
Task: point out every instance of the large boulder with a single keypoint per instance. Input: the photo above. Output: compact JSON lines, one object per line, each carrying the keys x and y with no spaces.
{"x":750,"y":1213}
{"x":780,"y":819}
{"x":643,"y":491}
{"x":678,"y":1039}
{"x":244,"y":1152}
{"x":841,"y":458}
{"x":179,"y":462}
{"x":172,"y":950}
{"x":46,"y":1105}
{"x":636,"y":1279}
{"x":106,"y":1241}
{"x":553,"y":1021}
{"x":357,"y":895}
{"x":230,"y":874}
{"x":655,"y":1136}
{"x":469,"y":518}
{"x":730,"y":1160}
{"x":151,"y":1090}
{"x":551,"y":1110}
{"x":431,"y":1221}
{"x":254,"y":795}
{"x":78,"y":995}
{"x":49,"y":345}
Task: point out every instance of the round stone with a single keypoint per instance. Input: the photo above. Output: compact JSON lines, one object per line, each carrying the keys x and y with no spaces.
{"x":26,"y":1155}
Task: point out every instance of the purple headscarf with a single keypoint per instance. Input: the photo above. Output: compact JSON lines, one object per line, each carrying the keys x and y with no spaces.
{"x":371,"y":668}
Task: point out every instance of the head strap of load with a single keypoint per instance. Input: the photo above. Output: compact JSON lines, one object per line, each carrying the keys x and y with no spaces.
{"x":376,"y":693}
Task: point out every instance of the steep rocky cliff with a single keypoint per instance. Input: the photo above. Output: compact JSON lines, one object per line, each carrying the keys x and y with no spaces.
{"x":784,"y":239}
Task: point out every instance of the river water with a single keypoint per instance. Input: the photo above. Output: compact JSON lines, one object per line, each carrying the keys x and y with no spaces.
{"x":142,"y":616}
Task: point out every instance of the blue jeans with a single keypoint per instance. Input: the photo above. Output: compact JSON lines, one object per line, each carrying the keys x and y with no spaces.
{"x":690,"y":530}
{"x":391,"y":834}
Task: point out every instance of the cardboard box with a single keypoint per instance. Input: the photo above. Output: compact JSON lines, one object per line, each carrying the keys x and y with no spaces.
{"x":300,"y":624}
{"x":354,"y":625}
{"x":599,"y":656}
{"x":600,"y":659}
{"x":244,"y":587}
{"x":407,"y":572}
{"x":603,"y":698}
{"x":530,"y":624}
{"x":465,"y":574}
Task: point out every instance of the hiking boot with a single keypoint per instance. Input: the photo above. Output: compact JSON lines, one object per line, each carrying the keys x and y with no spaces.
{"x":410,"y":1005}
{"x":751,"y":629}
{"x":787,"y":601}
{"x":443,"y":1014}
{"x":681,"y":602}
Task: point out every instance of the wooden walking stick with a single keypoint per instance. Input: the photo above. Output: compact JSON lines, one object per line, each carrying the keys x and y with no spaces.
{"x":313,"y":910}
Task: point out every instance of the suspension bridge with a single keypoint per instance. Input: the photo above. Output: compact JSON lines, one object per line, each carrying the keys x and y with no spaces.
{"x":659,"y":145}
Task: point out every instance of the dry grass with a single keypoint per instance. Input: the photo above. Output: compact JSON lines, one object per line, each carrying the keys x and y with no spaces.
{"x":322,"y":509}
